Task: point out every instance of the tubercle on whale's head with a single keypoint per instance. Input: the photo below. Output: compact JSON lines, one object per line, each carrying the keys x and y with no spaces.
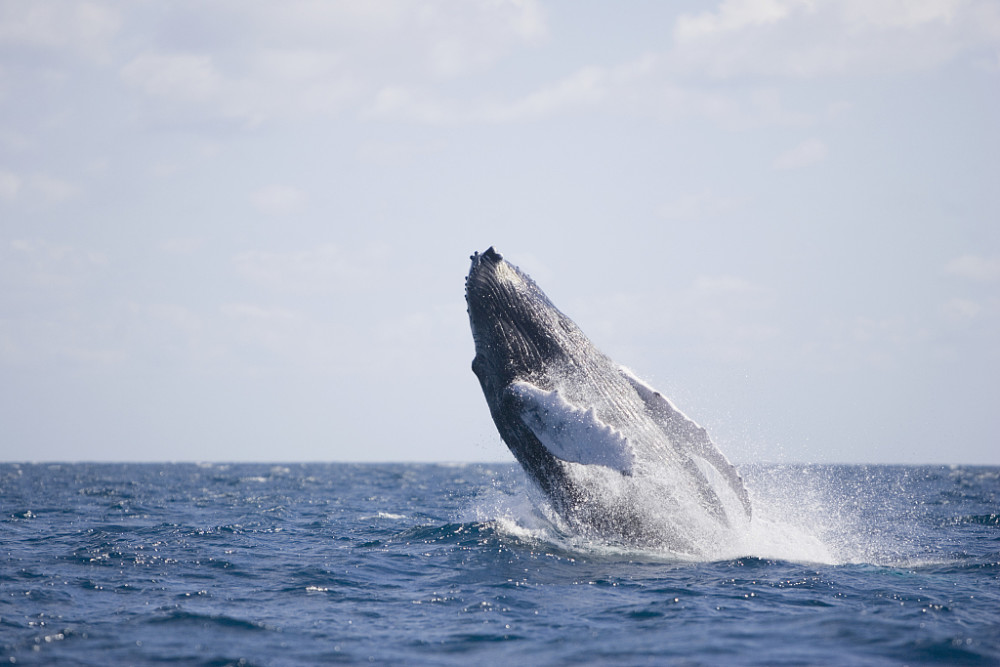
{"x":516,"y":328}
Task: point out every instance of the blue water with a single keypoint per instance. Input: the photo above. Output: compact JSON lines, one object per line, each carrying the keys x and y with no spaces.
{"x":430,"y":564}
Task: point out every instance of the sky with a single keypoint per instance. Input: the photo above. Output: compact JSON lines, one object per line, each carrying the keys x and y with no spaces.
{"x":239,"y":230}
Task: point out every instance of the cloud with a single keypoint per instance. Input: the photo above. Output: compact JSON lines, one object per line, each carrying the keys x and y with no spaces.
{"x":10,"y":184}
{"x":647,"y":86}
{"x":975,"y":267}
{"x":739,"y":39}
{"x":253,"y":312}
{"x":962,"y":310}
{"x":464,"y":37}
{"x":394,"y":153}
{"x":588,"y":87}
{"x":717,"y":317}
{"x":810,"y":151}
{"x":732,"y":16}
{"x":440,"y":38}
{"x":696,"y":206}
{"x":182,"y":246}
{"x":177,"y":317}
{"x":840,"y":344}
{"x":278,"y":199}
{"x":327,"y":268}
{"x":810,"y":38}
{"x":258,"y":86}
{"x":56,"y":337}
{"x":82,"y":28}
{"x":53,"y":189}
{"x":39,"y":263}
{"x":624,"y":86}
{"x":261,"y":338}
{"x":725,"y":286}
{"x":262,"y":62}
{"x":13,"y":186}
{"x":585,"y":87}
{"x":179,"y":77}
{"x":253,"y":63}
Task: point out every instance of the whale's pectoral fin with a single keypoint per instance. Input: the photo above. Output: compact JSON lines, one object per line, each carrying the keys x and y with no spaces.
{"x":571,"y":433}
{"x":685,"y":433}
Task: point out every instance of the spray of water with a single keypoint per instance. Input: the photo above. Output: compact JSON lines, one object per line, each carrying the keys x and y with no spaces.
{"x":800,"y":514}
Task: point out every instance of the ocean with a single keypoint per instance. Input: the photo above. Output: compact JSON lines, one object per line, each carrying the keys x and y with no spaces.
{"x":304,"y":564}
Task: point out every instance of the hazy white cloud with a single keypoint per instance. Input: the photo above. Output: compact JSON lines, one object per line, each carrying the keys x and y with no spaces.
{"x":38,"y":263}
{"x":53,"y":189}
{"x":804,"y":154}
{"x":303,"y":59}
{"x":175,"y":316}
{"x":56,"y":336}
{"x":170,"y":333}
{"x":261,"y":338}
{"x":740,"y":38}
{"x":10,"y":184}
{"x":279,"y":331}
{"x":182,"y":246}
{"x":252,"y":62}
{"x":327,"y":268}
{"x":10,"y":139}
{"x":975,"y":267}
{"x":732,"y":16}
{"x":719,"y":317}
{"x":822,"y":37}
{"x":465,"y":36}
{"x":587,"y":88}
{"x":644,"y":87}
{"x":903,"y":13}
{"x":255,"y":313}
{"x":842,"y":344}
{"x":404,"y":103}
{"x":441,"y":38}
{"x":696,"y":206}
{"x":962,"y":310}
{"x":13,"y":186}
{"x":84,"y":28}
{"x":278,"y":199}
{"x":178,"y":77}
{"x":262,"y":85}
{"x":725,"y":286}
{"x":394,"y":153}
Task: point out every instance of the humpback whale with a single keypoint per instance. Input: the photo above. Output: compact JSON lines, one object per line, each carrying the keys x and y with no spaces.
{"x":613,"y":455}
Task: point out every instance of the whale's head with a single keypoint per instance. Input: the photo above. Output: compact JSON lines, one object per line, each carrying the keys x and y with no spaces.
{"x":520,"y":337}
{"x":517,"y":330}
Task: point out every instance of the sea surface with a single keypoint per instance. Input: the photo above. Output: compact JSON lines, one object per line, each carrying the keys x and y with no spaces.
{"x":304,"y":564}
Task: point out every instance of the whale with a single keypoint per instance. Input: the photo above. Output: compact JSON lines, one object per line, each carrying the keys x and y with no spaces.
{"x":613,"y":456}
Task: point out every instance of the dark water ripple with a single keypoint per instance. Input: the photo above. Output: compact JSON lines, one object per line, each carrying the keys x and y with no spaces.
{"x":423,"y":564}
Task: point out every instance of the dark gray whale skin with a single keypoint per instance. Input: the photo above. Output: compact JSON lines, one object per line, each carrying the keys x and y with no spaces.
{"x":513,"y":325}
{"x":523,"y":340}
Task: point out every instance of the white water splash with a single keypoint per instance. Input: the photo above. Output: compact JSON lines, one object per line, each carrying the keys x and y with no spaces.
{"x":800,"y":514}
